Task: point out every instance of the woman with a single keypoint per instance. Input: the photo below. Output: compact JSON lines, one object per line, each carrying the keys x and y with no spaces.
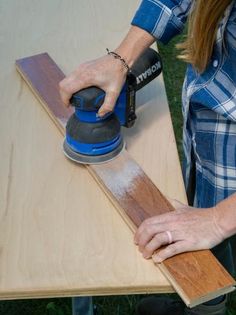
{"x":209,"y":135}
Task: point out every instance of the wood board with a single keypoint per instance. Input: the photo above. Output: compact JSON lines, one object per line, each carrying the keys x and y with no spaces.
{"x":196,"y":276}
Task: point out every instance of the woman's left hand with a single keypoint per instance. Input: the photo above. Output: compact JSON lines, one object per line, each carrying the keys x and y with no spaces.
{"x":183,"y":230}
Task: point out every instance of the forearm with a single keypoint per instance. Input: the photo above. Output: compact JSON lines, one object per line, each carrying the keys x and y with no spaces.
{"x":135,"y":42}
{"x":226,"y":216}
{"x":107,"y":72}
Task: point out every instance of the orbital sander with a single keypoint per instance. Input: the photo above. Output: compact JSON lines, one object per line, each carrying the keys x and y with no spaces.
{"x":91,"y":139}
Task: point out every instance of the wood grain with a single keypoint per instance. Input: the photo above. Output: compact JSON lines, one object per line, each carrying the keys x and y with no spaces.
{"x":196,"y":276}
{"x":38,"y":68}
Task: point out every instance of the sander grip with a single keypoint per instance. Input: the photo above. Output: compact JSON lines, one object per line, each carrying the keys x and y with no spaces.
{"x":88,"y":99}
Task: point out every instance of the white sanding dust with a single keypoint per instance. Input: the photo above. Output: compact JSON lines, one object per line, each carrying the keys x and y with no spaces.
{"x":119,"y":176}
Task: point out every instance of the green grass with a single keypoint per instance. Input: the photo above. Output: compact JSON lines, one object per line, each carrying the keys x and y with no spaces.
{"x":113,"y":305}
{"x":173,"y":71}
{"x":232,"y":304}
{"x":119,"y":305}
{"x":60,"y":306}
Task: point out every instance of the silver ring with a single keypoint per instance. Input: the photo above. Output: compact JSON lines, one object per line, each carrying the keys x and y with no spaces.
{"x":170,"y":238}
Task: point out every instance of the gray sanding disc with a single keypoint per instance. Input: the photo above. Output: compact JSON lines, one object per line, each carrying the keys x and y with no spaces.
{"x":91,"y":159}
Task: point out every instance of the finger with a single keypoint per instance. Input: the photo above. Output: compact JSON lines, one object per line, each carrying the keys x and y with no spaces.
{"x":156,"y":242}
{"x":163,"y":222}
{"x":171,"y":250}
{"x":67,"y":89}
{"x":65,"y":97}
{"x":70,"y":85}
{"x":147,"y":234}
{"x":109,"y":103}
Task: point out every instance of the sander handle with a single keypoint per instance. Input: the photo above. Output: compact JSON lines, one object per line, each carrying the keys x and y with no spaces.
{"x":145,"y":69}
{"x":88,"y":99}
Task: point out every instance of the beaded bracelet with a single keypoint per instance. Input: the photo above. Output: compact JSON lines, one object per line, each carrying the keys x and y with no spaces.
{"x":117,"y":56}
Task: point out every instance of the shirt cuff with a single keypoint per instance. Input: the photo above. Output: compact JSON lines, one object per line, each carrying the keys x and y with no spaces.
{"x":158,"y":20}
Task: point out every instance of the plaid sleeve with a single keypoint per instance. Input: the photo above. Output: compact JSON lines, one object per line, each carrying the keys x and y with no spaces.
{"x":163,"y":19}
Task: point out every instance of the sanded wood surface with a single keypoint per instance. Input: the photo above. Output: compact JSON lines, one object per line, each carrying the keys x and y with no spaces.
{"x":196,"y":276}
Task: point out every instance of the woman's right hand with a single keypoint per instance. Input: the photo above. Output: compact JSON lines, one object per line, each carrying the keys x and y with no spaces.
{"x":106,"y":72}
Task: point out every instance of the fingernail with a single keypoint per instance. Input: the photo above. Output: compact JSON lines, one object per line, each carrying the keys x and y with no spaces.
{"x":157,"y":259}
{"x":146,"y":256}
{"x":103,"y":114}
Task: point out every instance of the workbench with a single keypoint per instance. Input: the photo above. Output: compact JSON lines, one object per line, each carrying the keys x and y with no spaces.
{"x":59,"y":233}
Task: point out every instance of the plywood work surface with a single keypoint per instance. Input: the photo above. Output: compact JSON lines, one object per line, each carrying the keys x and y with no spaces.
{"x":59,"y":233}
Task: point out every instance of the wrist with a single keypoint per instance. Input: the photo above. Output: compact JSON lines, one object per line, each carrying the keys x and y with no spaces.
{"x":117,"y":56}
{"x":225,"y":216}
{"x":133,"y":45}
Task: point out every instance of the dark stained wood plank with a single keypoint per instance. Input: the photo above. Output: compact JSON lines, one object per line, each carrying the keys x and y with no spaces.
{"x":46,"y":90}
{"x":196,"y":276}
{"x":136,"y":194}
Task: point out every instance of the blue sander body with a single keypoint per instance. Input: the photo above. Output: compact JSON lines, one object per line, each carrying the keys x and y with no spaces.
{"x":91,"y":139}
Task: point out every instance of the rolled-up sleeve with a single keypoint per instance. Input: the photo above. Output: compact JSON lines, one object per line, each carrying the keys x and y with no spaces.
{"x":163,"y":19}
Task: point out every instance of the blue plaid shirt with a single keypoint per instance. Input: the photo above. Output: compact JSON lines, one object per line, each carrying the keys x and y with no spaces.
{"x":209,"y":99}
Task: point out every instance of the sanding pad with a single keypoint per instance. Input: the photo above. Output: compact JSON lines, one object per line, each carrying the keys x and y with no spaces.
{"x":91,"y":159}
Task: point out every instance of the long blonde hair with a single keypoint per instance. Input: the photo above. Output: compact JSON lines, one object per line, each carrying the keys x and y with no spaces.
{"x":202,"y":29}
